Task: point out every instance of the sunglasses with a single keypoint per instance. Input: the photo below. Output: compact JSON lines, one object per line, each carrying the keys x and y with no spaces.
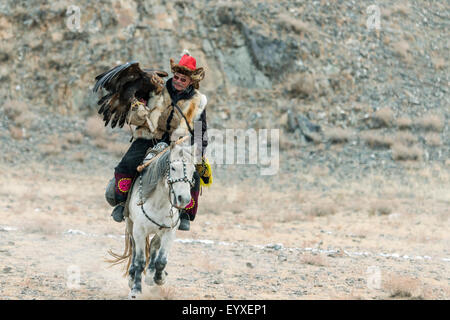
{"x":181,"y":79}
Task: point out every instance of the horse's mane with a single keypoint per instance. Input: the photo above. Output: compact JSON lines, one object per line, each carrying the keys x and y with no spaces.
{"x":153,"y":173}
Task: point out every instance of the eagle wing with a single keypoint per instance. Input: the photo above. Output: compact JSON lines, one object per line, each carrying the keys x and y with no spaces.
{"x":125,"y":84}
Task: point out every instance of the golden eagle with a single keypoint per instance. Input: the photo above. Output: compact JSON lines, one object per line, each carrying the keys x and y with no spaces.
{"x":126,"y":84}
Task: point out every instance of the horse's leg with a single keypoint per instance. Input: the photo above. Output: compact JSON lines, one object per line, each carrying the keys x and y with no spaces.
{"x":139,"y":261}
{"x":155,"y":244}
{"x":161,"y":260}
{"x":131,"y":269}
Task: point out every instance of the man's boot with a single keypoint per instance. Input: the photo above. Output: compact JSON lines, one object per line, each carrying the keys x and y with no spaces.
{"x":117,"y":213}
{"x":185,"y":224}
{"x":122,"y":186}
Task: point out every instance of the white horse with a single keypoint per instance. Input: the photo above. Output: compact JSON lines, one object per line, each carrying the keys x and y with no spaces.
{"x":156,"y":195}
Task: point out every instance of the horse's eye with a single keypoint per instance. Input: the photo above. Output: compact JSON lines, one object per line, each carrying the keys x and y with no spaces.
{"x":172,"y":168}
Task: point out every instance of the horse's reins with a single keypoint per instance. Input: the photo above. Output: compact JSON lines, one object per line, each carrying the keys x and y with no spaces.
{"x":141,"y":204}
{"x":170,"y":182}
{"x":145,"y":165}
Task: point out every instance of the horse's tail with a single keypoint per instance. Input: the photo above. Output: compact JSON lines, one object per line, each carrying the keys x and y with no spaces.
{"x":128,"y":253}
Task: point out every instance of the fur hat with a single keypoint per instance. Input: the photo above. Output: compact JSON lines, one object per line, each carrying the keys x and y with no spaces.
{"x":188,"y":67}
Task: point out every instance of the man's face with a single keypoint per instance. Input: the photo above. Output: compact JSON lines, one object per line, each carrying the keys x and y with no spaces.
{"x":181,"y":81}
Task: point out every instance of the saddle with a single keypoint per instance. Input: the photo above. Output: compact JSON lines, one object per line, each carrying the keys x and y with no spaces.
{"x":109,"y":194}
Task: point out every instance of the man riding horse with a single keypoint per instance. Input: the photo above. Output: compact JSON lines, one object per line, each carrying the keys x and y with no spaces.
{"x":163,"y":115}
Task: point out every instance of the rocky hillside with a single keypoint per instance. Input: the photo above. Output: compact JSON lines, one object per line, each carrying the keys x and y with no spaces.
{"x":319,"y":70}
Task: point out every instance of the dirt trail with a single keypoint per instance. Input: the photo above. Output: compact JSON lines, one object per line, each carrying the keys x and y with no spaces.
{"x":55,"y":223}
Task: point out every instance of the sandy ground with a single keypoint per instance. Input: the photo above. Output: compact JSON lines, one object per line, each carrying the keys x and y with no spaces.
{"x":371,"y":239}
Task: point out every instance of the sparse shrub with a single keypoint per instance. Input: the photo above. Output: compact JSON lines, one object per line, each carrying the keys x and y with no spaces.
{"x":50,"y":149}
{"x":313,"y":260}
{"x":293,"y":24}
{"x":14,"y":108}
{"x":381,"y":207}
{"x":338,"y":135}
{"x":401,"y":8}
{"x":16,"y":133}
{"x":403,"y":287}
{"x":438,"y":63}
{"x":74,"y":137}
{"x":401,"y":49}
{"x":433,"y":139}
{"x":101,"y":143}
{"x":286,"y":142}
{"x":25,"y":120}
{"x":79,"y":156}
{"x":376,"y":140}
{"x":405,"y":138}
{"x":431,"y":122}
{"x":404,"y":123}
{"x":383,"y":118}
{"x":402,"y":152}
{"x":322,"y":209}
{"x":302,"y":85}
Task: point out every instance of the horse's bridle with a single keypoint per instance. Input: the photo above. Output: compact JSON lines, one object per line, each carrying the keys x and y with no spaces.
{"x":170,"y":182}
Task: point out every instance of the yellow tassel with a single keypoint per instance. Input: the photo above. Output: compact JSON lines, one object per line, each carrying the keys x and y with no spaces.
{"x":204,"y":170}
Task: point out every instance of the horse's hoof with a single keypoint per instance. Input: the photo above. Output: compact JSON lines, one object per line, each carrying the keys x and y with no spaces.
{"x":133,"y":294}
{"x":162,"y":279}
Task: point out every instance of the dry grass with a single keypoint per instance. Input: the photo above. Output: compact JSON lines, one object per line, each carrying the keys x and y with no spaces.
{"x":439,"y":63}
{"x":286,"y":142}
{"x":16,"y":133}
{"x":405,"y":138}
{"x":316,"y":138}
{"x":338,"y":135}
{"x":25,"y":120}
{"x":302,"y":85}
{"x":376,"y":140}
{"x":403,"y":287}
{"x":14,"y":108}
{"x":404,"y":123}
{"x":381,"y":207}
{"x":53,"y":146}
{"x":73,"y":137}
{"x":402,"y":152}
{"x":101,"y":143}
{"x":293,"y":24}
{"x":383,"y":118}
{"x":431,"y":122}
{"x":401,"y":8}
{"x":433,"y":139}
{"x":401,"y":49}
{"x":79,"y":156}
{"x":321,"y":209}
{"x":50,"y":149}
{"x":313,"y":260}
